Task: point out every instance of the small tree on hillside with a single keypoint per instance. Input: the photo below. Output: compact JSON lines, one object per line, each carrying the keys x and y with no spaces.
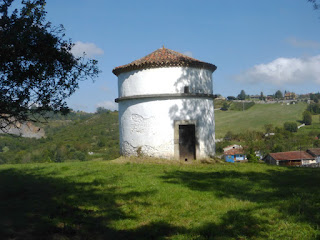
{"x":290,"y":126}
{"x":307,"y":117}
{"x":101,"y":110}
{"x":278,"y":94}
{"x":225,"y":106}
{"x":252,"y":157}
{"x":230,"y":98}
{"x":269,"y":128}
{"x":242,"y":95}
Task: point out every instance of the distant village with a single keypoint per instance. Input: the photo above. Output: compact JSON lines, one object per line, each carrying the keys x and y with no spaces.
{"x":309,"y":158}
{"x":272,"y":98}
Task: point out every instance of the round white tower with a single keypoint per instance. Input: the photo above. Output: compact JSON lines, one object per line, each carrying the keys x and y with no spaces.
{"x":166,"y":106}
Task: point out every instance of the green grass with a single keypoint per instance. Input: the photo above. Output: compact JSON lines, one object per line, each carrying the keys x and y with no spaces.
{"x":314,"y":128}
{"x":124,"y":200}
{"x":256,"y":117}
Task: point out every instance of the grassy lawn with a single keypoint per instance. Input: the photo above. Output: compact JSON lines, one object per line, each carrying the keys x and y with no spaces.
{"x":123,"y":200}
{"x":256,"y":117}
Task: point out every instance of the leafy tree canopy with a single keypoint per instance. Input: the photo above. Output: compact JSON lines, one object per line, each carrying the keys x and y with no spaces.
{"x":307,"y":117}
{"x":316,"y":3}
{"x":278,"y":94}
{"x":101,"y":110}
{"x":37,"y":69}
{"x":290,"y":126}
{"x":231,"y":98}
{"x":242,"y":95}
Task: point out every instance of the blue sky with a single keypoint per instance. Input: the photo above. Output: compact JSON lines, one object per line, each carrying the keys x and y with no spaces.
{"x":256,"y":45}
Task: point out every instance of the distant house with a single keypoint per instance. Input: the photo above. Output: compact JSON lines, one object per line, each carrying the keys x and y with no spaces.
{"x":292,"y":158}
{"x":315,"y":152}
{"x":270,"y":98}
{"x":255,"y":97}
{"x":234,"y":155}
{"x":290,"y":96}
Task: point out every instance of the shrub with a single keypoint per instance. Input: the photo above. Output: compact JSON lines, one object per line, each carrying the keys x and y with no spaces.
{"x":79,"y":156}
{"x":225,"y":106}
{"x":307,"y":117}
{"x":290,"y":126}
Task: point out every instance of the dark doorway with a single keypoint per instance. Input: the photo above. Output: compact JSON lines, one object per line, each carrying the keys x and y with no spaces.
{"x":187,"y":142}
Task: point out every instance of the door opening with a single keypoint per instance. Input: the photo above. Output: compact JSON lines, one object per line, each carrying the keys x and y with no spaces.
{"x":187,"y":142}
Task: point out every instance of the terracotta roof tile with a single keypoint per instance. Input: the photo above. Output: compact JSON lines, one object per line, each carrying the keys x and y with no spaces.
{"x":315,"y":151}
{"x":294,"y":155}
{"x":234,"y":151}
{"x":163,"y":57}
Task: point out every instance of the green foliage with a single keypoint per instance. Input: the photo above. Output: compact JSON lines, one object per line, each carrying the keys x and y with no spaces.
{"x":290,"y":126}
{"x":229,"y":136}
{"x":242,"y":95}
{"x":307,"y":118}
{"x":225,"y":106}
{"x":66,"y":140}
{"x":101,"y":110}
{"x":314,"y":108}
{"x":278,"y":95}
{"x":230,"y":98}
{"x":221,"y":145}
{"x":37,"y":68}
{"x":269,"y":128}
{"x":252,"y":157}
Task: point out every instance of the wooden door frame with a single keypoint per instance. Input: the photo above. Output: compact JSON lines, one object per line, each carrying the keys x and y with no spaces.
{"x":177,"y":123}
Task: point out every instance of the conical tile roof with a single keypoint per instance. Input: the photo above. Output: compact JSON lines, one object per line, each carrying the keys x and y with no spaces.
{"x":163,"y":57}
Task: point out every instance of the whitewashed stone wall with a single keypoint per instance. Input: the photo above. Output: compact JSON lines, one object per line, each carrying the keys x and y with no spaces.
{"x":147,"y":124}
{"x":164,"y":80}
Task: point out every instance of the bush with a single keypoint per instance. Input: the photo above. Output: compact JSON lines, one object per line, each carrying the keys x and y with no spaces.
{"x":307,"y":117}
{"x":290,"y":126}
{"x":225,"y":106}
{"x":229,"y":136}
{"x":80,"y":156}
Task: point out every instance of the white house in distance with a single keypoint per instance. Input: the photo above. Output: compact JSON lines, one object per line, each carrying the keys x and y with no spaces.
{"x":166,"y":106}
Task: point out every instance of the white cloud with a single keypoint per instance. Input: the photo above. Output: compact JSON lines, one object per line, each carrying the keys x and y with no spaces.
{"x":90,"y":49}
{"x":284,"y":71}
{"x":303,"y":43}
{"x":111,"y":105}
{"x":188,"y":53}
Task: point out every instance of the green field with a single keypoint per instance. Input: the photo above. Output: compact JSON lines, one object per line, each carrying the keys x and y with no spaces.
{"x":256,"y":117}
{"x":122,"y":200}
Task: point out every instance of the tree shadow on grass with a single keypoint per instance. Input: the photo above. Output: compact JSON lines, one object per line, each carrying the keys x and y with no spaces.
{"x":36,"y":207}
{"x":291,"y":192}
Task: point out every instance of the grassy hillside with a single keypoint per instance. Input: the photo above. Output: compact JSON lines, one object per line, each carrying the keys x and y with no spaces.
{"x":112,"y":200}
{"x":66,"y":140}
{"x":256,"y":117}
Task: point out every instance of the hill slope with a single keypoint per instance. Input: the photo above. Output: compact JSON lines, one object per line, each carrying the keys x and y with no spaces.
{"x":256,"y":117}
{"x":66,"y":140}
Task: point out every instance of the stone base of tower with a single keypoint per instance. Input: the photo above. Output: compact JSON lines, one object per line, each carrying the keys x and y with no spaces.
{"x":167,"y":128}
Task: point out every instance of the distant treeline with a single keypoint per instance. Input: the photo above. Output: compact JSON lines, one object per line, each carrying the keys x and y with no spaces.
{"x":314,"y":108}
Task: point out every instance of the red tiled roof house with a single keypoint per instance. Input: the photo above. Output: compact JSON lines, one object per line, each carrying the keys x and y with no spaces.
{"x":292,"y":158}
{"x":315,"y":152}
